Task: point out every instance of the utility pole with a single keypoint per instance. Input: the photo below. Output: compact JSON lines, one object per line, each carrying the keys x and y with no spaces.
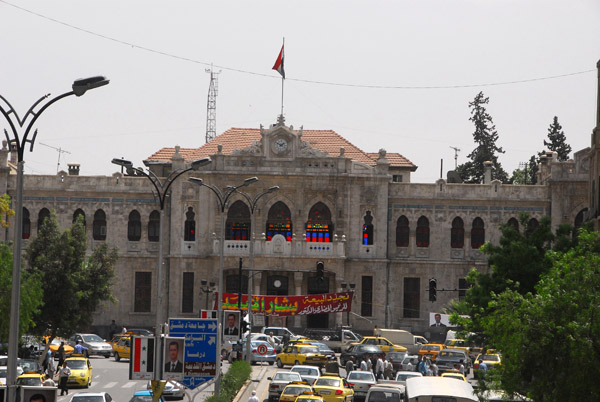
{"x":211,"y":107}
{"x":456,"y":151}
{"x":60,"y":152}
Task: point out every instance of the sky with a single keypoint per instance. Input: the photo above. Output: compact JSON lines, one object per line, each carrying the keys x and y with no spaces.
{"x":397,"y":75}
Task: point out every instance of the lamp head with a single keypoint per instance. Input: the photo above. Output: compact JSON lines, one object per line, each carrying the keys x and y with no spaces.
{"x":122,"y":162}
{"x":203,"y":282}
{"x":212,"y":284}
{"x":200,"y":162}
{"x":82,"y":85}
{"x":249,"y":181}
{"x":272,"y":189}
{"x":196,"y":180}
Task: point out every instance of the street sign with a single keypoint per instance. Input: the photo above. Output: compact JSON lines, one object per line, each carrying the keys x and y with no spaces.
{"x":200,"y":339}
{"x":262,"y":349}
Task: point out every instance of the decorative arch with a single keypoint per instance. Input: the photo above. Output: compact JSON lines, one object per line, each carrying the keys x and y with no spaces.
{"x":319,"y":227}
{"x":79,"y":212}
{"x":423,"y":232}
{"x":189,"y":228}
{"x":579,"y":219}
{"x":368,"y":229}
{"x":26,"y":227}
{"x":134,"y":226}
{"x":154,"y":226}
{"x":514,"y":222}
{"x":42,"y":215}
{"x":237,"y":226}
{"x":279,"y":221}
{"x":402,"y":232}
{"x":532,"y":226}
{"x":99,"y":225}
{"x":457,"y":233}
{"x":477,"y":233}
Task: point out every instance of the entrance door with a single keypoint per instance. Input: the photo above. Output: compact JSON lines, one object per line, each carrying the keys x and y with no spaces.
{"x":317,"y":286}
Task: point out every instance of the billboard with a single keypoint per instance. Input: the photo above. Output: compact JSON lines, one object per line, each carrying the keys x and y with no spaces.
{"x":173,"y":359}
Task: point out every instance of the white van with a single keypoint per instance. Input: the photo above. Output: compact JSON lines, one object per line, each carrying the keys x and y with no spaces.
{"x":404,"y":338}
{"x":386,"y":393}
{"x":435,"y":389}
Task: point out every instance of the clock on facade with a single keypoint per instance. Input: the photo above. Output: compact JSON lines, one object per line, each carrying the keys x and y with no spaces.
{"x":280,"y":146}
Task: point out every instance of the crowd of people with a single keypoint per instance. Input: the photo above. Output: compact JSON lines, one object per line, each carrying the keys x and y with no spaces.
{"x":384,"y":369}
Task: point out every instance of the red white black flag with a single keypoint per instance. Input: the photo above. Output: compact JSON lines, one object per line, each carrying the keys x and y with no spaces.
{"x":279,"y":63}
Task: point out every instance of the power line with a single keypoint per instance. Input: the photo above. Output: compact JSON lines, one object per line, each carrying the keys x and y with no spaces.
{"x":338,"y":84}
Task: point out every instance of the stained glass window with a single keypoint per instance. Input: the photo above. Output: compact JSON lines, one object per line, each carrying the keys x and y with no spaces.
{"x":319,"y":228}
{"x":402,"y":232}
{"x":279,"y":221}
{"x":237,"y":226}
{"x":423,"y":232}
{"x":477,"y":233}
{"x":457,"y":233}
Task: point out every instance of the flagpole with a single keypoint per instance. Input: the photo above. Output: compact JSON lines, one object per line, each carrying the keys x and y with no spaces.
{"x":283,"y":76}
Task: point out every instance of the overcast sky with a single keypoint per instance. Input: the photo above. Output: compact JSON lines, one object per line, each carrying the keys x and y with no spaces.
{"x":383,"y":74}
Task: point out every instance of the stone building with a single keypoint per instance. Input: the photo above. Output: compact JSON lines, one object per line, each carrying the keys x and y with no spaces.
{"x":376,"y":231}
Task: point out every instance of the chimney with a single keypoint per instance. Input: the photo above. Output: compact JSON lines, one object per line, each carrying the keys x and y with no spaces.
{"x":487,"y":172}
{"x":73,"y":169}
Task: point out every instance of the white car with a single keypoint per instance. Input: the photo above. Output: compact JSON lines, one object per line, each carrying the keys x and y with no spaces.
{"x":92,"y":397}
{"x":401,"y":376}
{"x":361,"y":381}
{"x":308,"y":373}
{"x":94,"y":344}
{"x":173,"y":389}
{"x":3,"y":373}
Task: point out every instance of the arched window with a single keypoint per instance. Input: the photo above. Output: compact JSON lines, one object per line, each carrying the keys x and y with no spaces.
{"x":190,"y":225}
{"x":279,"y":221}
{"x":154,"y":226}
{"x":44,"y":213}
{"x":532,"y":226}
{"x":99,"y":226}
{"x":26,"y":228}
{"x":477,"y":233}
{"x":134,"y":226}
{"x":367,"y":229}
{"x":423,"y":232}
{"x":237,"y":226}
{"x":514,"y":223}
{"x":319,"y":227}
{"x":402,"y":232}
{"x":77,"y":213}
{"x":457,"y":233}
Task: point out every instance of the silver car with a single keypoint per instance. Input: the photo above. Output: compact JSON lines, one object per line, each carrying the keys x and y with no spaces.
{"x":94,"y":344}
{"x":260,"y":352}
{"x":310,"y":374}
{"x":361,"y":381}
{"x":279,"y":381}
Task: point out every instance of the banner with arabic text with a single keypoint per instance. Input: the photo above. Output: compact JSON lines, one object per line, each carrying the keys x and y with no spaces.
{"x":291,"y":305}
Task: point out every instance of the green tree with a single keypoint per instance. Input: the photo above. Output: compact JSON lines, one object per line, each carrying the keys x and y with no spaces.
{"x":528,"y":175}
{"x":557,"y":140}
{"x":73,"y":283}
{"x":550,"y":338}
{"x":485,"y":136}
{"x":31,"y":295}
{"x":5,"y":210}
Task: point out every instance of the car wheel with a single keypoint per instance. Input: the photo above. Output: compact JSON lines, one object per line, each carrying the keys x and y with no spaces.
{"x":117,"y":357}
{"x":106,"y":356}
{"x":271,"y":363}
{"x":279,"y":363}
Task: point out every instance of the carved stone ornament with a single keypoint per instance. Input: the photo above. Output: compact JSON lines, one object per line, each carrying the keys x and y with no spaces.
{"x":306,"y":151}
{"x":255,"y":149}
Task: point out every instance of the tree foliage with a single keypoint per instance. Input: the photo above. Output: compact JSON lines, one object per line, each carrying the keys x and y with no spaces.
{"x":73,"y":283}
{"x":550,"y":338}
{"x":557,"y":141}
{"x":5,"y":211}
{"x":31,"y":294}
{"x":485,"y":136}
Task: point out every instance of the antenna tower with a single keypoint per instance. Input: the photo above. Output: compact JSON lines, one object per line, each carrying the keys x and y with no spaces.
{"x":59,"y":150}
{"x":211,"y":106}
{"x":456,"y":151}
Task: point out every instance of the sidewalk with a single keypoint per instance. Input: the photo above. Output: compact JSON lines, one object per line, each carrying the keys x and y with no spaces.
{"x":256,"y":383}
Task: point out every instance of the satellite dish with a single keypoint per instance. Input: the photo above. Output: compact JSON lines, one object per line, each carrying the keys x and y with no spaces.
{"x":453,"y":177}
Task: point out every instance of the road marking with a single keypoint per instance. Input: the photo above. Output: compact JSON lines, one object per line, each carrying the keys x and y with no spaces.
{"x":110,"y":384}
{"x":129,"y":384}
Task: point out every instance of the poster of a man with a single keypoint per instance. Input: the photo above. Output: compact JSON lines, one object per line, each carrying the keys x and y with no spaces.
{"x":38,"y":394}
{"x":438,"y":327}
{"x":174,"y":357}
{"x":231,"y":324}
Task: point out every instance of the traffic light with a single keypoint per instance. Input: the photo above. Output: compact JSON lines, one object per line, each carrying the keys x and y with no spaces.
{"x":320,"y":270}
{"x":432,"y":290}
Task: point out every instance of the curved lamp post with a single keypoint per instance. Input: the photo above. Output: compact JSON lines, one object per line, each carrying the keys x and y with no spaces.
{"x":161,"y":189}
{"x":79,"y":88}
{"x":222,"y":199}
{"x":252,"y":202}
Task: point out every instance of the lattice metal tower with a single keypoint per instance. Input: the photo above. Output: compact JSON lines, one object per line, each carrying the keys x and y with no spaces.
{"x":211,"y":106}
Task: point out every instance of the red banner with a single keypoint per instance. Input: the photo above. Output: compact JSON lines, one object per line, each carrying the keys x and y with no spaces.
{"x":291,"y":305}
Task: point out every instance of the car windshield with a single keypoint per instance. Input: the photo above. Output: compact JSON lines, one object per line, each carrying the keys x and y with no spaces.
{"x":452,"y":354}
{"x":287,"y":377}
{"x":77,"y":364}
{"x":396,"y":355}
{"x":141,"y":398}
{"x":294,"y":390}
{"x":36,"y":382}
{"x":3,"y":373}
{"x":430,"y":347}
{"x":328,"y":382}
{"x":381,"y":396}
{"x":92,"y":338}
{"x":361,"y":376}
{"x":29,"y":365}
{"x":404,"y":376}
{"x":87,"y":398}
{"x":492,"y":358}
{"x":305,"y":370}
{"x":307,"y":349}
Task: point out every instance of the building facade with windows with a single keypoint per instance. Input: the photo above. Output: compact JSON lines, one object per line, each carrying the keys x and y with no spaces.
{"x":376,"y":231}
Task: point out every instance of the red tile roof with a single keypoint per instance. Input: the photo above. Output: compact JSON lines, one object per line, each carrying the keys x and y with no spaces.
{"x":239,"y":138}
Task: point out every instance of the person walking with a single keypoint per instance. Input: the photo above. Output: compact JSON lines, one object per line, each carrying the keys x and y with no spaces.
{"x":253,"y":398}
{"x":461,"y":367}
{"x":363,"y":364}
{"x":379,"y":368}
{"x":388,"y":369}
{"x":410,"y":366}
{"x":350,"y":365}
{"x":50,"y":370}
{"x":80,"y":349}
{"x":434,"y":369}
{"x":369,"y":364}
{"x":423,"y":367}
{"x":61,"y":354}
{"x":63,"y":377}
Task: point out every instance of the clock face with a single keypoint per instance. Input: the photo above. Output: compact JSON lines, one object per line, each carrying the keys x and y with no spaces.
{"x":280,"y":146}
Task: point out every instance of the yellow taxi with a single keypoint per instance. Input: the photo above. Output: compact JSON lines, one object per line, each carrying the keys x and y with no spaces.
{"x":81,"y":371}
{"x":431,"y":350}
{"x":309,"y":397}
{"x":122,"y":349}
{"x":31,"y":379}
{"x":293,"y":389}
{"x":55,"y":344}
{"x":384,"y":344}
{"x":115,"y":339}
{"x":454,"y":374}
{"x":301,"y":353}
{"x":333,"y":389}
{"x":491,"y":360}
{"x":460,"y":344}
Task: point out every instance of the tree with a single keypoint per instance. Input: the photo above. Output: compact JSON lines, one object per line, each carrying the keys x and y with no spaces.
{"x":485,"y":136}
{"x":558,"y":141}
{"x":5,"y":210}
{"x":528,"y":175}
{"x":73,"y":284}
{"x":31,"y":294}
{"x":550,"y":338}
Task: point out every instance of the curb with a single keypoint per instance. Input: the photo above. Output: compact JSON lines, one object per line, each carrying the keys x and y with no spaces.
{"x":245,"y":392}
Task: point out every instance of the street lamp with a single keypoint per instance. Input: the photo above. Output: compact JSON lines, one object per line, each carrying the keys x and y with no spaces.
{"x":352,"y":287}
{"x":252,"y":202}
{"x":162,"y":190}
{"x":79,"y":87}
{"x":207,"y":288}
{"x":222,"y":198}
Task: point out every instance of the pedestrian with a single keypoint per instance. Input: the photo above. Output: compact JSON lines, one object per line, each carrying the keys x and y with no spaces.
{"x":286,"y":339}
{"x":349,"y":365}
{"x":434,"y":369}
{"x":63,"y":377}
{"x":80,"y":349}
{"x":50,"y":366}
{"x":369,"y":363}
{"x":461,"y":367}
{"x":379,"y":368}
{"x":61,"y":354}
{"x":388,"y":369}
{"x":411,"y":365}
{"x":124,"y":330}
{"x":363,"y":364}
{"x":253,"y":398}
{"x":49,"y":382}
{"x":112,"y":329}
{"x":376,"y":331}
{"x":423,"y":367}
{"x":271,"y":340}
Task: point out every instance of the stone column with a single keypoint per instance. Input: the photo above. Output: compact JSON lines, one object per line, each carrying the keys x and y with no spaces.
{"x":298,"y":279}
